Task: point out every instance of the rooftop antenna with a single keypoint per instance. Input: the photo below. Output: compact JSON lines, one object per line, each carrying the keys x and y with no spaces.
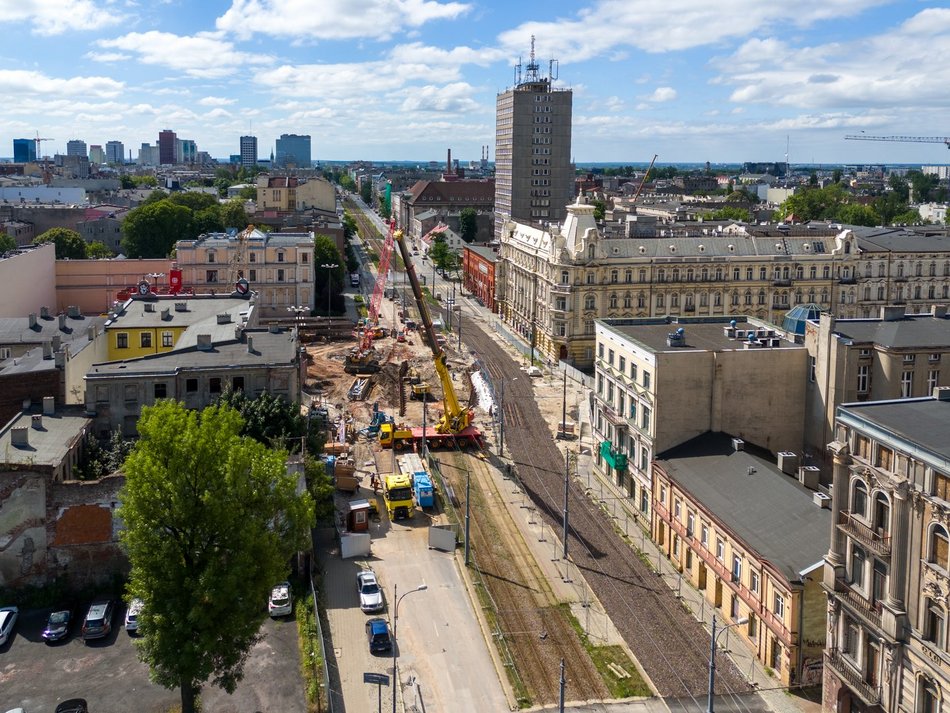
{"x":786,"y":155}
{"x":531,"y":70}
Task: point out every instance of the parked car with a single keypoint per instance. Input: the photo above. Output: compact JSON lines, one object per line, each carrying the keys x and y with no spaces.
{"x":281,"y":600}
{"x":132,"y":615}
{"x":371,"y":595}
{"x":98,"y":621}
{"x":73,"y":705}
{"x":8,"y":617}
{"x":377,"y":634}
{"x":57,"y":624}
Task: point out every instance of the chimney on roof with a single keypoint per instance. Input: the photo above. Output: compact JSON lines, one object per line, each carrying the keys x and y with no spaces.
{"x":47,"y":350}
{"x":149,"y":307}
{"x":20,"y":436}
{"x":74,"y":311}
{"x":181,"y":306}
{"x":44,"y":312}
{"x":56,"y":342}
{"x":224,"y":318}
{"x":32,"y":319}
{"x":892,"y":313}
{"x":37,"y":422}
{"x":59,"y":358}
{"x":91,"y":332}
{"x":166,"y":314}
{"x":938,"y":311}
{"x":237,"y":331}
{"x":49,"y":405}
{"x":62,"y":321}
{"x":250,"y":345}
{"x":204,"y":342}
{"x":448,"y":161}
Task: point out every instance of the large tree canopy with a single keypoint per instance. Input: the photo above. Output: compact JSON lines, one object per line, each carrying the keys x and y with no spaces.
{"x":211,"y":521}
{"x":7,"y":242}
{"x":152,"y":230}
{"x":69,"y":243}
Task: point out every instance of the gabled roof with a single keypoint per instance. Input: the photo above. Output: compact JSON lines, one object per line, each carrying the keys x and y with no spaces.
{"x":423,"y":192}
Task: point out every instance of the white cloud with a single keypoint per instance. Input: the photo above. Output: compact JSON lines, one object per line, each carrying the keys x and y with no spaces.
{"x":334,"y":19}
{"x":661,"y":94}
{"x":216,"y":101}
{"x":672,"y":25}
{"x":20,"y":83}
{"x":54,"y":17}
{"x":892,"y":68}
{"x":107,"y":56}
{"x":454,"y":98}
{"x":202,"y":55}
{"x":614,"y":103}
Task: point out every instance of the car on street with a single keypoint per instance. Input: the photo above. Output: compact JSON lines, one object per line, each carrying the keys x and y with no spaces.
{"x":377,"y":634}
{"x":57,"y":624}
{"x":132,"y":615}
{"x":73,"y":705}
{"x":371,"y":594}
{"x":8,"y":617}
{"x":280,"y":602}
{"x":98,"y":621}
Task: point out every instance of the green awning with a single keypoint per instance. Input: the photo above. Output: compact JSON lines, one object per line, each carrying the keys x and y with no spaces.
{"x":617,"y":461}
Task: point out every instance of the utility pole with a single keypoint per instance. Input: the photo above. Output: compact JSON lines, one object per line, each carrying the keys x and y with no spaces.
{"x":562,"y":432}
{"x":567,"y":482}
{"x":501,"y":420}
{"x":563,"y":687}
{"x":468,"y":513}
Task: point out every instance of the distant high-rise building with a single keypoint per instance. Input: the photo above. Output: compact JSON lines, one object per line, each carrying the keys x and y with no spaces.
{"x":148,"y":155}
{"x":115,"y":152}
{"x":534,"y":176}
{"x":96,"y":154}
{"x":248,"y":151}
{"x":293,"y":150}
{"x":166,"y":147}
{"x":24,"y":150}
{"x":76,"y":147}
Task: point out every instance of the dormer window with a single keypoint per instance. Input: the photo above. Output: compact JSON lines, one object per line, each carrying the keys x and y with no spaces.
{"x":211,"y":256}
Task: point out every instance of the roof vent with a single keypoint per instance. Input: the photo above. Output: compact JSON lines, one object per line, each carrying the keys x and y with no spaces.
{"x":181,"y":306}
{"x":37,"y":422}
{"x":49,"y":405}
{"x":149,"y":306}
{"x":62,"y":321}
{"x":166,"y":314}
{"x":20,"y":436}
{"x":672,"y":248}
{"x":677,"y":338}
{"x":204,"y":342}
{"x":938,"y":311}
{"x":274,"y":329}
{"x":250,"y":345}
{"x":44,"y":312}
{"x":74,"y":311}
{"x":224,"y":318}
{"x":56,"y":342}
{"x":738,"y":444}
{"x":892,"y":313}
{"x":32,"y":320}
{"x":47,"y":350}
{"x":787,"y":462}
{"x":808,"y":475}
{"x":941,"y":393}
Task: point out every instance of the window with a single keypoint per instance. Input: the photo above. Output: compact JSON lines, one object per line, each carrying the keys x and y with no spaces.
{"x":778,"y":605}
{"x":191,"y":386}
{"x":941,"y":487}
{"x":938,"y":550}
{"x":252,"y":275}
{"x":280,"y":275}
{"x":622,"y":364}
{"x":933,"y":380}
{"x":211,"y":276}
{"x":812,"y":365}
{"x":237,"y":383}
{"x":878,"y":581}
{"x":852,"y":638}
{"x":211,"y":256}
{"x":131,"y":394}
{"x":633,"y":371}
{"x":304,"y":258}
{"x":690,"y":524}
{"x":600,"y":351}
{"x":752,"y":627}
{"x":927,"y":700}
{"x":863,"y":372}
{"x":720,"y":549}
{"x":934,"y":623}
{"x":736,"y":569}
{"x":645,"y":419}
{"x":910,"y":358}
{"x":676,"y":545}
{"x":885,"y":457}
{"x":704,"y":535}
{"x":280,"y":256}
{"x":882,"y":514}
{"x":859,"y":499}
{"x":168,"y":339}
{"x":161,"y":391}
{"x":122,"y":340}
{"x":145,"y":340}
{"x":252,"y":257}
{"x":734,"y":607}
{"x":754,"y":582}
{"x":214,"y":385}
{"x":858,"y":562}
{"x":677,"y":509}
{"x":610,"y":357}
{"x":646,"y":380}
{"x":934,"y":357}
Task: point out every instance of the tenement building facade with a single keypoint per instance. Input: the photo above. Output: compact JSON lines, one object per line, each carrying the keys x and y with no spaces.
{"x":887,"y":571}
{"x":554,"y":282}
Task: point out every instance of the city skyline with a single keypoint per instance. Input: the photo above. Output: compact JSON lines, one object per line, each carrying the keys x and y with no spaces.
{"x":407,"y":79}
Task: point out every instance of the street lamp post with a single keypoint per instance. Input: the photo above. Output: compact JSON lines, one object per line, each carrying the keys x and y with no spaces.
{"x":420,"y":588}
{"x":712,"y":658}
{"x":329,"y":267}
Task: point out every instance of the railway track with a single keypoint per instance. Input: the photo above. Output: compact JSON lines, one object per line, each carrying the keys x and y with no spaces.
{"x":670,"y":645}
{"x":536,"y":631}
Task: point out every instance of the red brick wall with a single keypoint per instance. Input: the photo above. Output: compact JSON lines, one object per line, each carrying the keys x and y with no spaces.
{"x":33,"y":385}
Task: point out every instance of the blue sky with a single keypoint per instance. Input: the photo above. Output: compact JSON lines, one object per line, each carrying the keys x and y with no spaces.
{"x":690,"y":80}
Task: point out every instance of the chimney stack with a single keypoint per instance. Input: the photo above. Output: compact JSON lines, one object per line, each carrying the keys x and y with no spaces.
{"x":44,"y":312}
{"x":32,"y":320}
{"x":49,"y":405}
{"x":204,"y":342}
{"x":47,"y":350}
{"x":62,"y":322}
{"x":20,"y":436}
{"x":37,"y":422}
{"x":250,"y":344}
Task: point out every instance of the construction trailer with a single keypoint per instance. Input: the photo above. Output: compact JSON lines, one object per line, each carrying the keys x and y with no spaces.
{"x":412,"y":465}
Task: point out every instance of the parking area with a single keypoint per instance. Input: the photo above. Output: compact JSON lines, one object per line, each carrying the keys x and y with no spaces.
{"x":36,"y":676}
{"x":444,"y":662}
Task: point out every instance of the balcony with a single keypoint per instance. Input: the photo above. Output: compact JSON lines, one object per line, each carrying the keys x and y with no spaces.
{"x":870,"y":612}
{"x":871,"y":695}
{"x":617,"y":461}
{"x":879,"y":543}
{"x":562,"y":289}
{"x":847,"y":281}
{"x":781,"y":283}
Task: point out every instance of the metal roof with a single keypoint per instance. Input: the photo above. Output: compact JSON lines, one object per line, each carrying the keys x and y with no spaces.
{"x":912,"y":331}
{"x":923,"y":422}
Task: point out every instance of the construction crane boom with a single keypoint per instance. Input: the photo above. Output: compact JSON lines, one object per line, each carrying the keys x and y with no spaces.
{"x":237,"y":267}
{"x":645,"y":176}
{"x":382,"y":274}
{"x":903,"y":139}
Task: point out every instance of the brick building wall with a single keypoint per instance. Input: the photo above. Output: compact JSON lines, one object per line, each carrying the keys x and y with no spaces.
{"x":17,"y":387}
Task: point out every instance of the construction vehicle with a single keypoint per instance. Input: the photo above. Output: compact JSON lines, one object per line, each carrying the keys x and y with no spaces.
{"x":419,"y":391}
{"x":412,"y":466}
{"x":397,"y":494}
{"x":379,"y":418}
{"x":363,"y":359}
{"x":454,"y":426}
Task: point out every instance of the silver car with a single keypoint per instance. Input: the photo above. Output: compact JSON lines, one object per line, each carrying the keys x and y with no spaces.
{"x":371,"y":594}
{"x":8,"y":617}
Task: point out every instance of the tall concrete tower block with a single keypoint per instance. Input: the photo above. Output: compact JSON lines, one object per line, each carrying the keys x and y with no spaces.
{"x":534,"y":175}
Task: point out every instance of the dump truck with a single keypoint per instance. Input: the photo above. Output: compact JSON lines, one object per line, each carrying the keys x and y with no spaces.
{"x":397,"y":493}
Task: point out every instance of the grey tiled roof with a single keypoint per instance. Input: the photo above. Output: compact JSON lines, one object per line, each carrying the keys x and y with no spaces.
{"x":768,"y":511}
{"x":921,"y":331}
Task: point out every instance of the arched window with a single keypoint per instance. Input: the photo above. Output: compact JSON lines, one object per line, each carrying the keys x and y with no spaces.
{"x":761,"y":297}
{"x":785,"y":272}
{"x":939,"y":549}
{"x":859,"y":499}
{"x":613,"y":302}
{"x":590,"y":302}
{"x":799,"y":272}
{"x":718,"y":273}
{"x":643,"y":275}
{"x":689,"y":275}
{"x":661,"y":275}
{"x":748,"y":297}
{"x":676,"y":274}
{"x":826,"y":272}
{"x":900,"y":269}
{"x":565,"y":277}
{"x":641,"y":300}
{"x":918,"y":270}
{"x":659,"y":301}
{"x":705,"y":274}
{"x":717,"y":299}
{"x":613,"y":277}
{"x":675,"y":299}
{"x":813,"y":272}
{"x":824,"y":296}
{"x":703,"y":299}
{"x":882,"y":514}
{"x":627,"y":300}
{"x":880,"y":270}
{"x":590,"y":252}
{"x":847,"y":247}
{"x":867,"y":270}
{"x":933,"y":269}
{"x":798,"y":297}
{"x":735,"y":299}
{"x":628,"y":276}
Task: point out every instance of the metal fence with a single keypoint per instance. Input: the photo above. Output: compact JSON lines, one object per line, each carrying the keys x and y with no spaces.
{"x":325,"y":645}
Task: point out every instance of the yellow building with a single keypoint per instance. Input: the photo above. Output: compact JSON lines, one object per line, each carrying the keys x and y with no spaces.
{"x":751,"y":540}
{"x":155,"y":324}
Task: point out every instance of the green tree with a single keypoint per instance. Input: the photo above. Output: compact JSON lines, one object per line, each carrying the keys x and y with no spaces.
{"x":347,"y":183}
{"x":857,"y":214}
{"x":899,"y":186}
{"x":208,"y":220}
{"x":349,"y":225}
{"x":366,"y":192}
{"x":911,"y":216}
{"x":154,"y":197}
{"x":211,"y":519}
{"x":813,"y":179}
{"x":194,"y":200}
{"x":814,"y":203}
{"x":273,"y":421}
{"x":468,"y":224}
{"x":233,"y":214}
{"x":248,"y":193}
{"x":729,"y":213}
{"x":7,"y":243}
{"x":890,"y":205}
{"x":97,"y":250}
{"x":441,"y":255}
{"x":600,"y":210}
{"x":321,"y":489}
{"x":152,"y":230}
{"x":836,"y":175}
{"x":329,"y":282}
{"x":69,"y":243}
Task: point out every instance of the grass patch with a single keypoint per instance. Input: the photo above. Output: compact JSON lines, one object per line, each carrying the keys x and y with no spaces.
{"x":358,"y":299}
{"x":311,"y":652}
{"x":604,"y":657}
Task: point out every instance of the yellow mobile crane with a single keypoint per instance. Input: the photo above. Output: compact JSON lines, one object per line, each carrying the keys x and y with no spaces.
{"x":455,"y":424}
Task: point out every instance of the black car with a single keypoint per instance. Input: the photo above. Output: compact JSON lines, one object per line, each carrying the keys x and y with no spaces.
{"x":377,"y":635}
{"x":98,"y":622}
{"x":73,"y":705}
{"x":58,"y":623}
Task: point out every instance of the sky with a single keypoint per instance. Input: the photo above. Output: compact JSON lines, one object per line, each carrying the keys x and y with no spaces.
{"x":688,"y":80}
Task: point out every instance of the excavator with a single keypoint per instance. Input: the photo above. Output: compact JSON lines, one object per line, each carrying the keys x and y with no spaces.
{"x":454,"y":426}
